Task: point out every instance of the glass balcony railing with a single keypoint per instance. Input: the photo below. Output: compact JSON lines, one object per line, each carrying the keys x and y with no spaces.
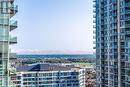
{"x":3,"y":49}
{"x":129,"y":58}
{"x":127,"y":4}
{"x":13,"y":24}
{"x":12,"y":71}
{"x":13,"y":40}
{"x":4,"y":22}
{"x":127,"y":25}
{"x":12,"y":55}
{"x":3,"y":38}
{"x":127,"y":11}
{"x":128,"y":78}
{"x":13,"y":10}
{"x":128,"y":32}
{"x":127,"y":18}
{"x":8,"y":38}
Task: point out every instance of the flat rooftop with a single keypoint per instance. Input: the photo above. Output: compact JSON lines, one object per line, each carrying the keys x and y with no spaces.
{"x":47,"y":67}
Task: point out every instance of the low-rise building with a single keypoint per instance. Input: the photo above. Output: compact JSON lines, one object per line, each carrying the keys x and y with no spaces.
{"x":49,"y":75}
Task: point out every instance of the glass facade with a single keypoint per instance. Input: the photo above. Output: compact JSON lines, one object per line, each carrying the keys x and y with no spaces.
{"x":51,"y":79}
{"x":112,"y":21}
{"x":7,"y":11}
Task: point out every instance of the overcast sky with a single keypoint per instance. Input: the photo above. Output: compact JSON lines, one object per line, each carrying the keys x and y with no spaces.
{"x":55,"y":25}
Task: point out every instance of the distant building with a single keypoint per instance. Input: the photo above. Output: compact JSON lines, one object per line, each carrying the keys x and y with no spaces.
{"x":7,"y":10}
{"x":90,"y":77}
{"x":50,"y":75}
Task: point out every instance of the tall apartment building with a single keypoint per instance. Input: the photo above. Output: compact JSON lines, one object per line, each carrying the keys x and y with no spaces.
{"x":49,"y":75}
{"x":112,"y":42}
{"x":7,"y":11}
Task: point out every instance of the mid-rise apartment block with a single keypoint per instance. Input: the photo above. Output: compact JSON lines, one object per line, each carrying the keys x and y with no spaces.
{"x":49,"y":75}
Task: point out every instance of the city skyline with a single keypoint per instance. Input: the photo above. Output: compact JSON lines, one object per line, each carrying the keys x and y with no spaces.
{"x":63,"y":25}
{"x":37,"y":51}
{"x":60,"y":28}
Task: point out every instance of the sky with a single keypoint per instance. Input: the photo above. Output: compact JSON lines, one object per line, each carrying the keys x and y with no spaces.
{"x":54,"y":25}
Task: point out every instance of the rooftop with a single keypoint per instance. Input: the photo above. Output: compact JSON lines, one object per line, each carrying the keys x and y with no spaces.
{"x":47,"y":67}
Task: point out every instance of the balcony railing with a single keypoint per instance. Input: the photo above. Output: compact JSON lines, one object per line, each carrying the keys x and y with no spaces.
{"x":12,"y":55}
{"x":13,"y":40}
{"x":129,"y":78}
{"x":128,"y":32}
{"x":13,"y":10}
{"x":13,"y":24}
{"x":127,"y":11}
{"x":4,"y":38}
{"x":12,"y":71}
{"x":127,"y":18}
{"x":127,"y":25}
{"x":8,"y":38}
{"x":127,"y":4}
{"x":3,"y":49}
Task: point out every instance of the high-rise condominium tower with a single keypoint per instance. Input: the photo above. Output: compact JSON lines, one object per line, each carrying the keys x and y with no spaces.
{"x":7,"y":11}
{"x":112,"y":42}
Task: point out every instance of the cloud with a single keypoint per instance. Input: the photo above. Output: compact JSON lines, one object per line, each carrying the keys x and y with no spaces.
{"x":36,"y":51}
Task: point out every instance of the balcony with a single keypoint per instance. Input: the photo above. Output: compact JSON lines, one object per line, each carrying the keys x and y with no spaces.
{"x":94,"y":5}
{"x":94,"y":42}
{"x":4,"y":22}
{"x":94,"y":21}
{"x":13,"y":24}
{"x":127,"y":19}
{"x":127,"y":12}
{"x":13,"y":10}
{"x":114,"y":14}
{"x":94,"y":16}
{"x":94,"y":0}
{"x":3,"y":49}
{"x":114,"y":27}
{"x":128,"y":58}
{"x":127,"y":32}
{"x":94,"y":47}
{"x":94,"y":10}
{"x":3,"y":38}
{"x":127,"y":4}
{"x":94,"y":32}
{"x":13,"y":40}
{"x":127,"y":25}
{"x":94,"y":37}
{"x":94,"y":26}
{"x":12,"y":55}
{"x":12,"y":71}
{"x":129,"y":79}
